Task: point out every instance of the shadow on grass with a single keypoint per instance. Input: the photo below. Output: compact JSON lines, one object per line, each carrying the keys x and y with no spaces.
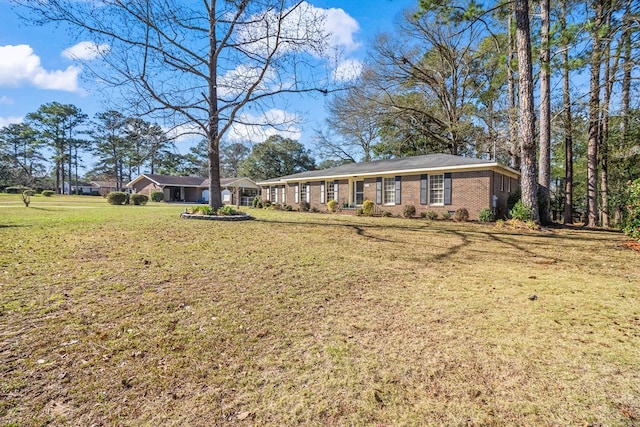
{"x":12,"y":226}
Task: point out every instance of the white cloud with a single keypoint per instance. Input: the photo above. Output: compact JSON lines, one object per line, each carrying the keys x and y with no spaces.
{"x":86,"y":51}
{"x":20,"y":66}
{"x":257,"y":128}
{"x":341,"y":27}
{"x":236,"y":82}
{"x":347,"y":70}
{"x":5,"y":100}
{"x":305,"y":29}
{"x":6,"y":121}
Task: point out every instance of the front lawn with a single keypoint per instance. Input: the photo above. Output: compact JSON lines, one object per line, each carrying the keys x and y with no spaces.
{"x":129,"y":315}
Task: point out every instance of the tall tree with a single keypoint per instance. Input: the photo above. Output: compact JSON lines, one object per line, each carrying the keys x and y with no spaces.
{"x":232,"y":157}
{"x":203,"y":63}
{"x":74,"y":117}
{"x":529,"y":182}
{"x":110,"y":145}
{"x":20,"y":152}
{"x":566,"y":97}
{"x":544,"y":158}
{"x":594,"y":113}
{"x":52,"y":122}
{"x":277,"y":156}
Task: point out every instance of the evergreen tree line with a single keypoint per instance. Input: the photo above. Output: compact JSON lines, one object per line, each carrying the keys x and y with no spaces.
{"x":47,"y":149}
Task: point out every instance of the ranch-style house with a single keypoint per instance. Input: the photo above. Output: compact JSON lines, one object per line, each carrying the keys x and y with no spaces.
{"x":433,"y":182}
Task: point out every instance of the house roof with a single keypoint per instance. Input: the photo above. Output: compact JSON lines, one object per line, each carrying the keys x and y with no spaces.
{"x":191,"y":181}
{"x":404,"y":165}
{"x":104,"y":184}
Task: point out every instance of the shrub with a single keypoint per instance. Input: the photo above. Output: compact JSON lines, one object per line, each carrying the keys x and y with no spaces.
{"x":266,"y":203}
{"x":446,"y":216}
{"x":227,"y":210}
{"x":368,"y":207}
{"x":521,"y":212}
{"x":117,"y":198}
{"x":315,"y":209}
{"x":204,"y":210}
{"x":431,"y":215}
{"x":386,"y":214}
{"x":257,"y":203}
{"x":359,"y":212}
{"x":48,"y":193}
{"x":632,"y":220}
{"x":276,"y":206}
{"x":408,"y":211}
{"x":138,"y":199}
{"x":287,"y":208}
{"x":303,"y":206}
{"x":157,"y":196}
{"x":462,"y":214}
{"x":332,"y":205}
{"x":485,"y":215}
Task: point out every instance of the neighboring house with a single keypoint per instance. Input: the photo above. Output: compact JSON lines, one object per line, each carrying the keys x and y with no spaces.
{"x":105,"y":187}
{"x":93,"y":188}
{"x":434,"y":182}
{"x":235,"y":191}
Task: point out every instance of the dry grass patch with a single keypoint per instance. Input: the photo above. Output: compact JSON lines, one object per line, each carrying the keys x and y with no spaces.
{"x":128,"y":315}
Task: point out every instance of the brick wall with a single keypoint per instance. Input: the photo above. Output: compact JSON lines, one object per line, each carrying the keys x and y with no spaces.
{"x":471,"y":190}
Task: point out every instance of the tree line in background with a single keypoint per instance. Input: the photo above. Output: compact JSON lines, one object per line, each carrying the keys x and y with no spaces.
{"x":47,"y":149}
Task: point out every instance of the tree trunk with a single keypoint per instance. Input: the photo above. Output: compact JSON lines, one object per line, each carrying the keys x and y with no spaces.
{"x":514,"y":146}
{"x":529,"y":182}
{"x":594,"y":119}
{"x":568,"y":139}
{"x":544,"y":159}
{"x":213,"y":146}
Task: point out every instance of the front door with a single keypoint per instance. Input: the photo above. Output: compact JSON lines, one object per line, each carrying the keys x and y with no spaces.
{"x":358,"y":193}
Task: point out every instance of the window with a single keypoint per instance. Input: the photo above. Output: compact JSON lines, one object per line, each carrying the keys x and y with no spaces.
{"x":273,"y":196}
{"x":330,"y":189}
{"x":304,"y":192}
{"x":501,"y":182}
{"x":389,"y":191}
{"x":284,"y":194}
{"x":436,"y":189}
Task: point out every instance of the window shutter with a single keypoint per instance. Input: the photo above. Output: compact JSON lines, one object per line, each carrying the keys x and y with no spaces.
{"x":447,"y":188}
{"x":379,"y":191}
{"x":423,"y":189}
{"x":296,"y":193}
{"x":335,"y":191}
{"x":308,"y":196}
{"x":284,"y":194}
{"x":398,"y":181}
{"x":322,"y":193}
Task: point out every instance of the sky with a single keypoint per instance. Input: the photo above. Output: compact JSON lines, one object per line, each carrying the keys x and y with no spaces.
{"x":37,"y":64}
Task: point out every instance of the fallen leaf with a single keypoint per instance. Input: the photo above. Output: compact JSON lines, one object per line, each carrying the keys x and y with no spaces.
{"x":243,"y":415}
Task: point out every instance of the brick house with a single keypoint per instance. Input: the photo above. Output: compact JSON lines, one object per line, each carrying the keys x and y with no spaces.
{"x":235,"y":191}
{"x":434,"y":182}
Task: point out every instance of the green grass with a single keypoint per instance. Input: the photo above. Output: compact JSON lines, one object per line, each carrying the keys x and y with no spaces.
{"x":129,"y":315}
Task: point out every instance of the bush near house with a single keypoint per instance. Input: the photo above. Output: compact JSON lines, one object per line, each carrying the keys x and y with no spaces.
{"x":461,"y":215}
{"x":157,"y":196}
{"x":446,"y":216}
{"x":303,"y":206}
{"x":332,"y":205}
{"x":117,"y":198}
{"x":368,"y":207}
{"x":485,"y":215}
{"x":138,"y":199}
{"x":431,"y":215}
{"x":409,"y":211}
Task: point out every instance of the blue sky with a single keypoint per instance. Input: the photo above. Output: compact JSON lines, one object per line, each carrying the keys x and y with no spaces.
{"x":37,"y":65}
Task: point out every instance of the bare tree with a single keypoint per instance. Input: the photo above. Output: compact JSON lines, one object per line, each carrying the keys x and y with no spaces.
{"x":202,"y":64}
